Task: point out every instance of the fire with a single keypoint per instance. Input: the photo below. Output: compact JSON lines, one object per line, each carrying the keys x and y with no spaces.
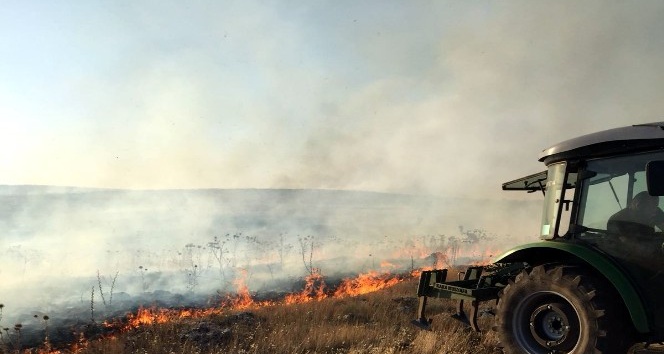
{"x":362,"y":284}
{"x":243,"y":299}
{"x":152,"y":316}
{"x":314,"y":289}
{"x":415,"y":273}
{"x":148,"y":317}
{"x":365,"y":283}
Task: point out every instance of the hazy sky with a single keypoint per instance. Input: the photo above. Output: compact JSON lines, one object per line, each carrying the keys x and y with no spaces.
{"x":440,"y":97}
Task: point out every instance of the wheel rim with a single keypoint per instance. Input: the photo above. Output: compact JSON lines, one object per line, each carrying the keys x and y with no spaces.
{"x":546,"y":322}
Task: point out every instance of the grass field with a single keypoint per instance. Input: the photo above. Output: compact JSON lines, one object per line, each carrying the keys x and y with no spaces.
{"x":377,"y":322}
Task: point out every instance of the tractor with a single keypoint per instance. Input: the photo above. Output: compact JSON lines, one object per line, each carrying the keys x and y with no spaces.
{"x":594,"y":281}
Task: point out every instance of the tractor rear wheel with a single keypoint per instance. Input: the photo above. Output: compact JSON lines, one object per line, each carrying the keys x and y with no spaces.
{"x":561,"y":310}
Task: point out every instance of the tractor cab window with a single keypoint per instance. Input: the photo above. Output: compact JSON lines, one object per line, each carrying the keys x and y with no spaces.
{"x":605,"y":194}
{"x":616,"y":212}
{"x":610,"y":186}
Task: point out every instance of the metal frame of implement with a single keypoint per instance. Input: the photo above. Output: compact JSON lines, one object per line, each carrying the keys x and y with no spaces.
{"x":474,"y":287}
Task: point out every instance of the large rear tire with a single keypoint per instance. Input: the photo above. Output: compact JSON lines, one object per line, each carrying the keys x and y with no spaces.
{"x":561,"y":310}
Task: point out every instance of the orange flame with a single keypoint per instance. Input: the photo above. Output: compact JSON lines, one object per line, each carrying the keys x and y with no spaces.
{"x":365,"y":283}
{"x":148,"y":317}
{"x":243,"y":299}
{"x":314,"y":289}
{"x":415,"y":273}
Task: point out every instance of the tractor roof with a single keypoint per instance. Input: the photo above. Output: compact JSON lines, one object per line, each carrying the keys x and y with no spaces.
{"x":634,"y":138}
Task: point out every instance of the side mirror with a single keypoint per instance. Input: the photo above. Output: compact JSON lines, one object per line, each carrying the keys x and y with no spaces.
{"x":655,"y":178}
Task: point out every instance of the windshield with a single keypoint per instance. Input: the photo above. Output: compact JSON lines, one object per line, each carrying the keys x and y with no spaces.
{"x":554,"y":198}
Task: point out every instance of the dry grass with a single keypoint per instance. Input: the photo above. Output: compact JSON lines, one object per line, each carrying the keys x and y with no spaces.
{"x":374,"y":323}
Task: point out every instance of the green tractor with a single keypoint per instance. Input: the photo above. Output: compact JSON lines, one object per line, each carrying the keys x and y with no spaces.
{"x":594,"y":283}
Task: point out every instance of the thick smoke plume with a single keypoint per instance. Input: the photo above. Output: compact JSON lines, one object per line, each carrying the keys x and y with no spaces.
{"x":396,"y":97}
{"x":67,"y":247}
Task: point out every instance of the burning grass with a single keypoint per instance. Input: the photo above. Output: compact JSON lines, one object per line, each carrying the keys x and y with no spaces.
{"x":322,"y":321}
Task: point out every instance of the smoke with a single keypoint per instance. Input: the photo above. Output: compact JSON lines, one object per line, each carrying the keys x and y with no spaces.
{"x":433,"y":105}
{"x":64,"y":248}
{"x":496,"y":89}
{"x":394,"y":98}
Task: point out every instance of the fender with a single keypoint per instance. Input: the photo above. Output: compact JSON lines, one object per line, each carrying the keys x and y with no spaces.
{"x":552,"y":251}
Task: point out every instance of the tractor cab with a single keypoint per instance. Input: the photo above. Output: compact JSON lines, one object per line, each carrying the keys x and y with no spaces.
{"x":601,"y":250}
{"x":611,"y":203}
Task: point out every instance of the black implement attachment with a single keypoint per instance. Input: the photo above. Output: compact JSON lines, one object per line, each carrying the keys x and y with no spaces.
{"x":477,"y":284}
